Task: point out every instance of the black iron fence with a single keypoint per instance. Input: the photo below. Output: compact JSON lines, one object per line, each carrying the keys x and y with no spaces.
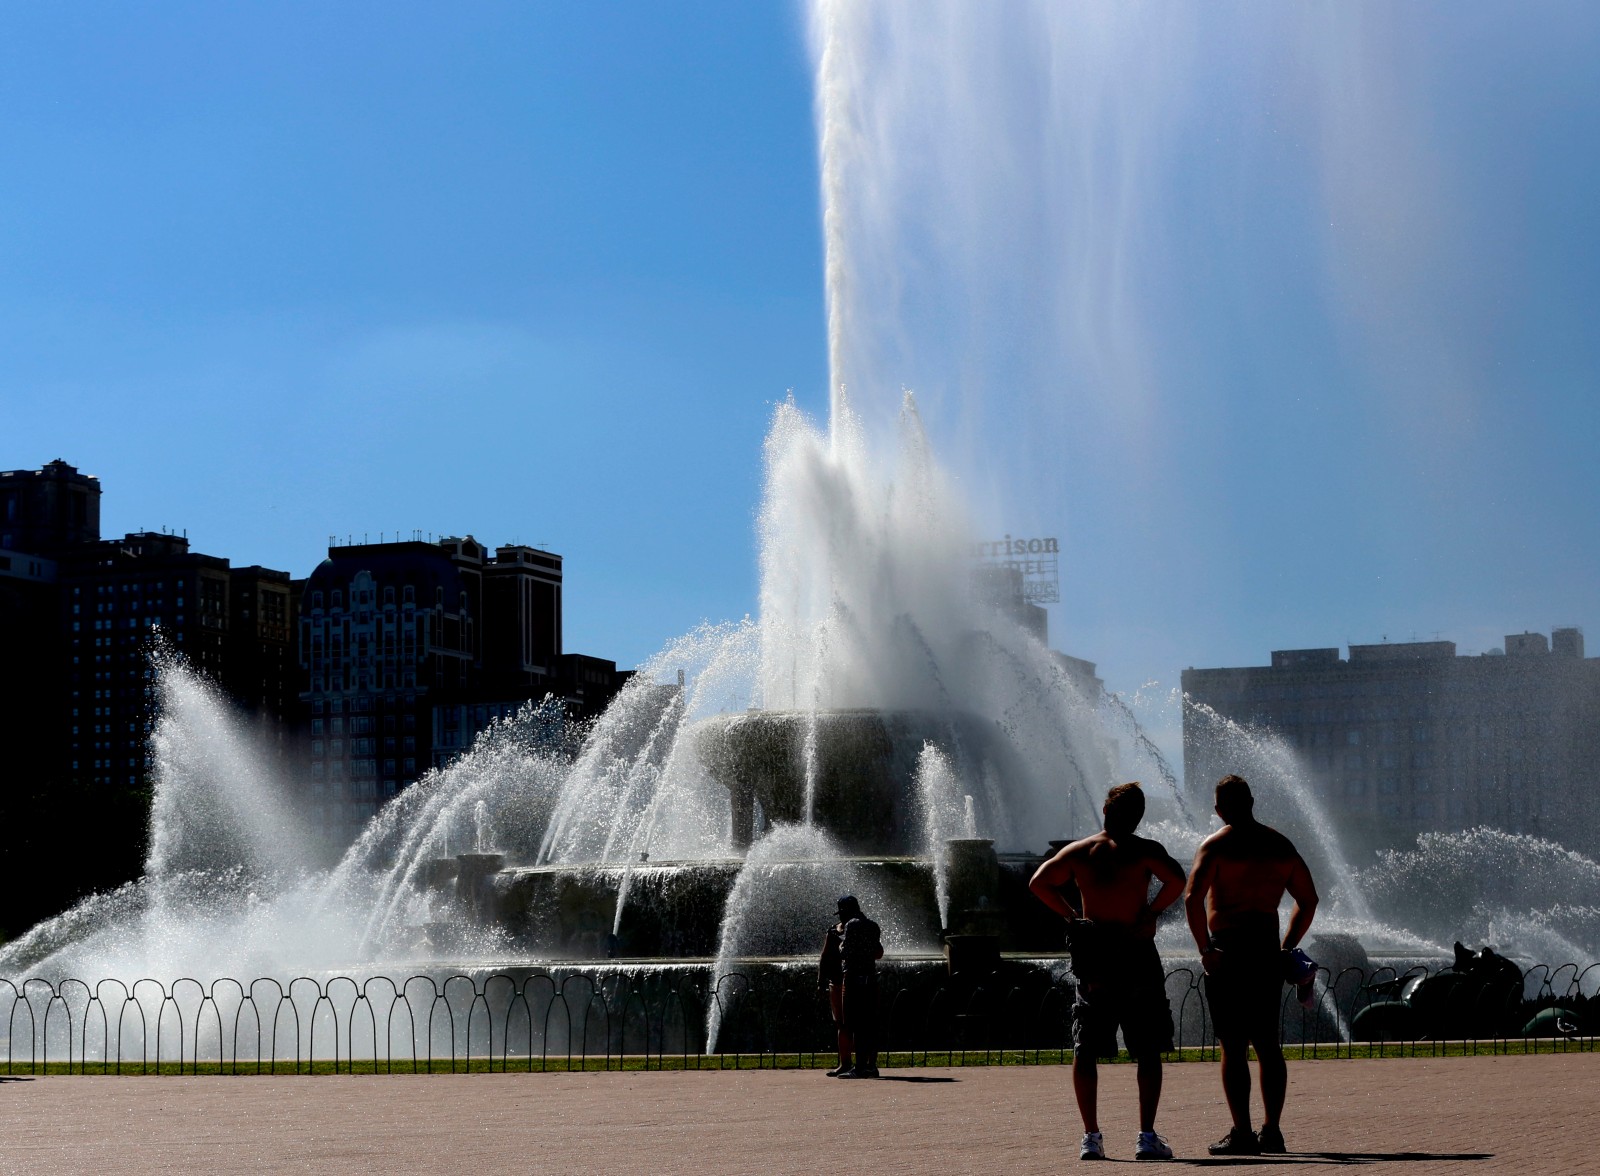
{"x":678,"y":1018}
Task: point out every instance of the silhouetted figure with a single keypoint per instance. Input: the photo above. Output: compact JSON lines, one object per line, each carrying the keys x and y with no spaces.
{"x":1112,"y":941}
{"x":860,"y":949}
{"x":1240,"y":874}
{"x":830,"y":979}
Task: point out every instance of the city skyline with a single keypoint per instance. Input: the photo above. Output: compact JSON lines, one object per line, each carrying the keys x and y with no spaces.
{"x":275,"y":277}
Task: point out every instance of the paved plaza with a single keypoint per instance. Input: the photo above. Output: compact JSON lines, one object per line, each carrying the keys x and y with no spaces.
{"x":1411,"y":1116}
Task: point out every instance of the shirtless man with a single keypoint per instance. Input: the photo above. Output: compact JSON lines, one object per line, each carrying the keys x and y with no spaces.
{"x":1112,"y":941}
{"x":1239,"y":876}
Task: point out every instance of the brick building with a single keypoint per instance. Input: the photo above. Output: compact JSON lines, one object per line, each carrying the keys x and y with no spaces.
{"x":409,"y":649}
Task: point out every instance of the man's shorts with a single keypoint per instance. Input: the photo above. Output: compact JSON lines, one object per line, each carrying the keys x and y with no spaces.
{"x":859,"y":1007}
{"x":1120,"y":984}
{"x":1245,"y":993}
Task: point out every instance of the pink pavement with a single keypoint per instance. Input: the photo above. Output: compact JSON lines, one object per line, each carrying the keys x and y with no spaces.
{"x":1413,"y":1117}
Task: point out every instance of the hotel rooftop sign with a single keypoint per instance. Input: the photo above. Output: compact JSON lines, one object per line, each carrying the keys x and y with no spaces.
{"x":1035,"y":559}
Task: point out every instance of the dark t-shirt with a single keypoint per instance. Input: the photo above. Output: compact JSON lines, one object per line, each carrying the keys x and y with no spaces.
{"x":858,"y":948}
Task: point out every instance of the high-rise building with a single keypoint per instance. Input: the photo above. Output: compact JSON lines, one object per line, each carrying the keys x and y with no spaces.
{"x":409,"y":649}
{"x":43,"y":512}
{"x":1400,"y":739}
{"x":32,"y":731}
{"x":118,"y":597}
{"x":260,"y":669}
{"x":48,"y":509}
{"x":78,"y":616}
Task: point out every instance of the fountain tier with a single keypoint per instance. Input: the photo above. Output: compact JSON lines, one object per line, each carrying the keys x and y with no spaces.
{"x":852,"y":773}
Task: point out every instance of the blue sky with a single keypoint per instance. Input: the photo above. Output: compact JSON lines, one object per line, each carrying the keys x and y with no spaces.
{"x":534,"y":271}
{"x":539,"y":272}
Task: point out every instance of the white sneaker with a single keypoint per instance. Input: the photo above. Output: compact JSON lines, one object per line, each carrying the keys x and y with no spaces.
{"x":1092,"y":1147}
{"x":1151,"y":1147}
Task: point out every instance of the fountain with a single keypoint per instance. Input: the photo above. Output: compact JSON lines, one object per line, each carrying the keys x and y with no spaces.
{"x":881,"y":729}
{"x":884,"y":727}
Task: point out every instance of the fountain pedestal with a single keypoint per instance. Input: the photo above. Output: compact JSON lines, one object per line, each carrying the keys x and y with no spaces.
{"x":973,"y":883}
{"x":437,"y":873}
{"x":971,"y":955}
{"x":860,"y":794}
{"x":858,"y":767}
{"x":475,"y":883}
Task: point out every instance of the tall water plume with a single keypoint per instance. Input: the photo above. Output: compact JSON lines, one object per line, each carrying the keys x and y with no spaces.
{"x":217,"y":801}
{"x":226,"y":864}
{"x":1124,"y":252}
{"x":868,"y":601}
{"x":985,"y":181}
{"x":1284,"y":795}
{"x":947,"y":813}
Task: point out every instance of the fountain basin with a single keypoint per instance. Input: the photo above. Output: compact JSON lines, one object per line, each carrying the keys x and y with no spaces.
{"x":675,"y":910}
